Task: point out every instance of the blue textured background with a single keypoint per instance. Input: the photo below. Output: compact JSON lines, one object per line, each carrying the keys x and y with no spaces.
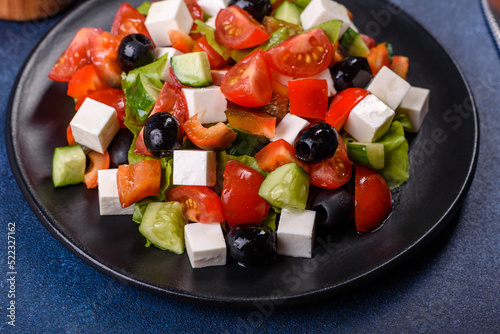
{"x":452,"y":286}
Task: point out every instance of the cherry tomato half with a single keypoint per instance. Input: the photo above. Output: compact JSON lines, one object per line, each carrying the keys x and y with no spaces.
{"x":129,"y":20}
{"x":277,"y":154}
{"x":200,"y":204}
{"x":215,"y":59}
{"x":104,"y":54}
{"x":85,"y":81}
{"x":172,"y":100}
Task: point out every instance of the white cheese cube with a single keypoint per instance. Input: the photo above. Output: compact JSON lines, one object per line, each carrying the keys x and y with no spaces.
{"x":167,"y":15}
{"x":296,"y":233}
{"x":289,"y":128}
{"x":205,"y":245}
{"x":208,"y":102}
{"x":109,"y":203}
{"x":415,"y":106}
{"x":319,"y":11}
{"x":165,"y":71}
{"x":95,"y":125}
{"x":389,"y":87}
{"x":281,"y":78}
{"x":212,"y":7}
{"x":325,"y":75}
{"x":369,"y":120}
{"x":211,"y":21}
{"x":194,"y":168}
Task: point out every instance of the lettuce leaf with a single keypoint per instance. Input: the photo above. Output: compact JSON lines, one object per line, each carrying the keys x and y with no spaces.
{"x":396,"y":169}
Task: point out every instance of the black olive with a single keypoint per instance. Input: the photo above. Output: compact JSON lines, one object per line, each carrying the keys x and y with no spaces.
{"x":161,"y":134}
{"x":334,"y":210}
{"x":351,"y":72}
{"x":135,"y":50}
{"x":251,"y":243}
{"x":119,"y":147}
{"x":316,"y":143}
{"x":257,"y":8}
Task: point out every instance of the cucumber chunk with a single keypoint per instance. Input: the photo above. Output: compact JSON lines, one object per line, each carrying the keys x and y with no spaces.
{"x":68,"y":165}
{"x":353,"y":44}
{"x":371,"y":155}
{"x":192,"y":69}
{"x":289,"y":12}
{"x":163,"y":226}
{"x":286,"y":187}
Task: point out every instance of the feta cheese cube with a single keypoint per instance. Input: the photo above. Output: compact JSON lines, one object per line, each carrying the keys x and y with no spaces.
{"x":369,"y":120}
{"x":208,"y":102}
{"x":281,"y":78}
{"x":167,"y":15}
{"x":212,"y":7}
{"x":95,"y":125}
{"x":194,"y":168}
{"x":109,"y":203}
{"x":205,"y":245}
{"x":289,"y":128}
{"x":296,"y":233}
{"x":164,"y":72}
{"x":319,"y":11}
{"x":415,"y":106}
{"x":389,"y":87}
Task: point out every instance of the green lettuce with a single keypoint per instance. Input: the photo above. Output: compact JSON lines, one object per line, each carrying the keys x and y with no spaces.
{"x":396,"y":167}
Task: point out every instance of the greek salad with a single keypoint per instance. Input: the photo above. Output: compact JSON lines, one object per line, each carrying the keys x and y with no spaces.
{"x":238,"y":130}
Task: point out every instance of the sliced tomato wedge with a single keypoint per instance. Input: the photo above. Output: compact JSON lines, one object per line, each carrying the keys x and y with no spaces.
{"x":181,"y":40}
{"x":302,"y":55}
{"x":308,"y":98}
{"x":342,"y":104}
{"x":378,"y":58}
{"x":98,"y":161}
{"x":215,"y":59}
{"x":138,"y":181}
{"x":172,"y":100}
{"x":369,"y":41}
{"x":112,"y":97}
{"x":218,"y":75}
{"x":197,"y":14}
{"x":129,"y":20}
{"x":400,"y":65}
{"x":277,"y":154}
{"x":75,"y":56}
{"x":216,"y":137}
{"x":334,"y":172}
{"x":104,"y":54}
{"x":372,"y":200}
{"x":249,"y":82}
{"x":257,"y":123}
{"x":237,"y":29}
{"x":85,"y":81}
{"x":200,"y":204}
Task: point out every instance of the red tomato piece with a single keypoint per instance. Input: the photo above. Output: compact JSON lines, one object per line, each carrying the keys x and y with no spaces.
{"x":218,"y":75}
{"x":237,"y":29}
{"x":378,"y":57}
{"x":257,"y":123}
{"x":334,"y":172}
{"x":138,"y":181}
{"x":249,"y":82}
{"x":75,"y":56}
{"x":369,"y":41}
{"x":215,"y":59}
{"x":216,"y":137}
{"x":200,"y":204}
{"x":172,"y":100}
{"x":112,"y":97}
{"x":69,"y":136}
{"x":240,"y":195}
{"x":140,"y":146}
{"x":342,"y":104}
{"x":277,"y":154}
{"x":104,"y":55}
{"x":85,"y":81}
{"x":181,"y":40}
{"x":302,"y":55}
{"x":197,"y":14}
{"x":400,"y":65}
{"x":372,"y":200}
{"x":308,"y":98}
{"x":129,"y":20}
{"x":98,"y":161}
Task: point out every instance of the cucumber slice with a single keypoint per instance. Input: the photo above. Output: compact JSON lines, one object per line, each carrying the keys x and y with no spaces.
{"x":371,"y":155}
{"x":163,"y":226}
{"x":353,"y":44}
{"x":286,"y":187}
{"x":289,"y":12}
{"x":192,"y":69}
{"x":68,"y":165}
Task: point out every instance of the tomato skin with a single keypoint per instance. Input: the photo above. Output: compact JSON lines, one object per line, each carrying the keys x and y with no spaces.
{"x":249,"y":82}
{"x":257,"y":123}
{"x":172,"y":100}
{"x":112,"y":97}
{"x":138,"y":181}
{"x":75,"y":56}
{"x":104,"y":55}
{"x":278,"y":106}
{"x":372,"y":200}
{"x":342,"y":104}
{"x":181,"y":40}
{"x":199,"y":203}
{"x":334,"y":172}
{"x":308,"y":98}
{"x":369,"y":41}
{"x":85,"y":81}
{"x":378,"y":58}
{"x":69,"y":136}
{"x":302,"y":55}
{"x":277,"y":154}
{"x":237,"y":29}
{"x":217,"y":137}
{"x":215,"y":59}
{"x":129,"y":20}
{"x":240,"y":195}
{"x":400,"y":65}
{"x":98,"y":161}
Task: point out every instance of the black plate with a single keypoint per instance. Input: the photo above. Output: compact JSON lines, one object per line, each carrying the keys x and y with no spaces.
{"x":443,"y":159}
